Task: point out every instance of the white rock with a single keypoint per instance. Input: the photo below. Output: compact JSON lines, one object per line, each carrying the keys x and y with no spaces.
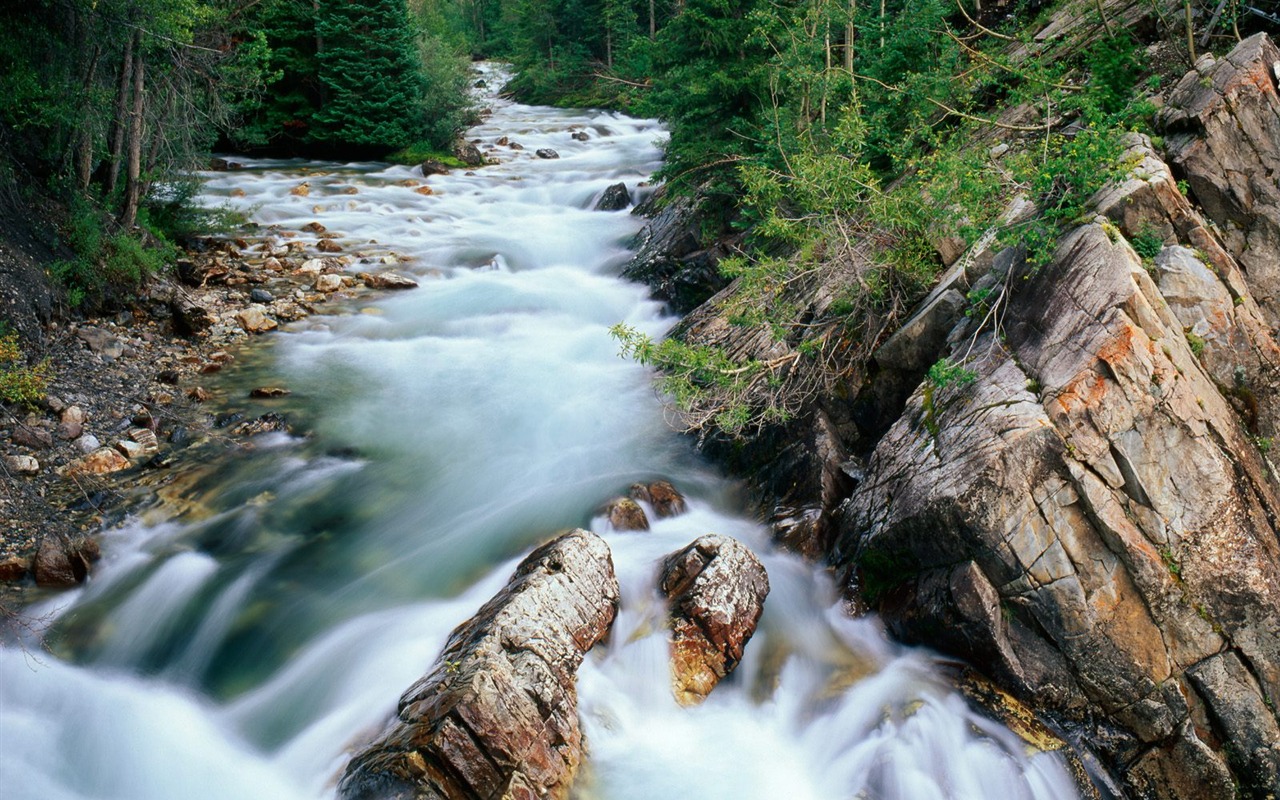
{"x":328,"y":283}
{"x":22,"y":465}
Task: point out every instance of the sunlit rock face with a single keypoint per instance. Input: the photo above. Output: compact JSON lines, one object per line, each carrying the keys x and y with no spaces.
{"x":497,"y":716}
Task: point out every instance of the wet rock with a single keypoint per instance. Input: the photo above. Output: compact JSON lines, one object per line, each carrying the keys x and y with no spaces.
{"x":260,"y":296}
{"x":716,"y":588}
{"x":615,"y":198}
{"x":497,"y":716}
{"x":626,"y":514}
{"x":328,"y":283}
{"x":14,"y":568}
{"x":503,"y":141}
{"x":269,"y":391}
{"x":62,"y":564}
{"x":314,"y":266}
{"x":387,"y":280}
{"x":664,"y":498}
{"x":28,"y":436}
{"x":254,"y":319}
{"x":670,"y":259}
{"x":425,"y":191}
{"x":328,"y":246}
{"x":21,"y":465}
{"x":199,"y":394}
{"x":580,"y":136}
{"x":168,"y":376}
{"x":429,"y":168}
{"x":469,"y":154}
{"x":546,"y":152}
{"x":314,"y":227}
{"x":270,"y":422}
{"x":301,"y":190}
{"x":102,"y":461}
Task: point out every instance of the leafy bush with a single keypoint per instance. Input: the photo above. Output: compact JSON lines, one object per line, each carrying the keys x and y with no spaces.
{"x":20,"y":384}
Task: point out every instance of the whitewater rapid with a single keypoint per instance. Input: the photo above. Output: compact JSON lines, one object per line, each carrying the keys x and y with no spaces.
{"x":238,"y":651}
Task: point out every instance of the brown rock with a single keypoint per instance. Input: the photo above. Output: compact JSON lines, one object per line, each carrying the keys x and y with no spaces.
{"x":254,"y":319}
{"x":313,"y":227}
{"x":425,"y":191}
{"x":269,"y":391}
{"x":102,"y":461}
{"x":433,"y":168}
{"x":387,"y":280}
{"x":14,"y":568}
{"x":199,"y":394}
{"x":348,"y":190}
{"x":716,"y":588}
{"x":626,"y":514}
{"x":60,"y":564}
{"x":497,"y":716}
{"x":664,"y":498}
{"x":301,"y":190}
{"x":35,"y":438}
{"x":328,"y":246}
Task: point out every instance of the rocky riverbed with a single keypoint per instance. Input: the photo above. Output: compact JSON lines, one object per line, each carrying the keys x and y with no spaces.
{"x":134,"y":394}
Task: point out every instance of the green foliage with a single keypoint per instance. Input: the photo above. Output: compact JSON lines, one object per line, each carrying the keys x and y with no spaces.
{"x":1196,"y":343}
{"x":945,"y":373}
{"x":418,"y":152}
{"x":20,"y":384}
{"x":105,"y":263}
{"x":1147,"y":244}
{"x":357,"y":79}
{"x":704,"y":384}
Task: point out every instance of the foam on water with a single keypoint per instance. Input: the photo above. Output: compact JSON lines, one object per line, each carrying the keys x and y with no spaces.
{"x":239,"y":655}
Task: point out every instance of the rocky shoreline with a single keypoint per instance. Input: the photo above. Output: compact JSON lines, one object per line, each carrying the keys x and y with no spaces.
{"x":134,"y":395}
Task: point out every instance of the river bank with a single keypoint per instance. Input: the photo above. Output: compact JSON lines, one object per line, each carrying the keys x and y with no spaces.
{"x":132,"y":395}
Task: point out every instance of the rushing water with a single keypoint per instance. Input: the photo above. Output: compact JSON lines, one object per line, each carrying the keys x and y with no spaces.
{"x":237,"y":651}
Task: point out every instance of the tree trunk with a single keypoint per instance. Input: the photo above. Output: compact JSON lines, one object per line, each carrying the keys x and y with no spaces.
{"x":849,"y":32}
{"x":653,"y":20}
{"x":118,"y":126}
{"x":133,"y":171}
{"x":84,"y":144}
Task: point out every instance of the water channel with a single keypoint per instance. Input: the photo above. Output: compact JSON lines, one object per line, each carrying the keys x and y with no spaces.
{"x":237,"y":650}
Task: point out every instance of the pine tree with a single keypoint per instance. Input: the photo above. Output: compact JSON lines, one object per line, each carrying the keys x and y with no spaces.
{"x":369,"y":76}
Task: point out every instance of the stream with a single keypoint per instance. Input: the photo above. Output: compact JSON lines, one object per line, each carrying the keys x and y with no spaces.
{"x":237,"y":650}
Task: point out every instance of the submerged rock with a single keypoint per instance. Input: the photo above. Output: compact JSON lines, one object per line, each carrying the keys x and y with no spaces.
{"x":626,"y":514}
{"x":546,"y":152}
{"x":497,"y":716}
{"x":664,"y":498}
{"x":716,"y":588}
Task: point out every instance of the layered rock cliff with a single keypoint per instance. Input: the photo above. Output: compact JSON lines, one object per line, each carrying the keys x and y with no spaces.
{"x":1088,"y":511}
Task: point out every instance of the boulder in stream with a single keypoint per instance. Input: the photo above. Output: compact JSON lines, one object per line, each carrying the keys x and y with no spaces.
{"x":665,"y":499}
{"x":615,"y":198}
{"x":497,"y":715}
{"x":717,"y":588}
{"x":626,"y":514}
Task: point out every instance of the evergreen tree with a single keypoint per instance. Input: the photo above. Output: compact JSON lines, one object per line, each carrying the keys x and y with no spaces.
{"x":369,"y":76}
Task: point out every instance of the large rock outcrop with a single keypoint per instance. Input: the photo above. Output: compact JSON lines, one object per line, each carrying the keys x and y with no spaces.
{"x":497,"y":716}
{"x":669,"y":254}
{"x":1090,"y":520}
{"x":1223,"y":122}
{"x":1091,"y":514}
